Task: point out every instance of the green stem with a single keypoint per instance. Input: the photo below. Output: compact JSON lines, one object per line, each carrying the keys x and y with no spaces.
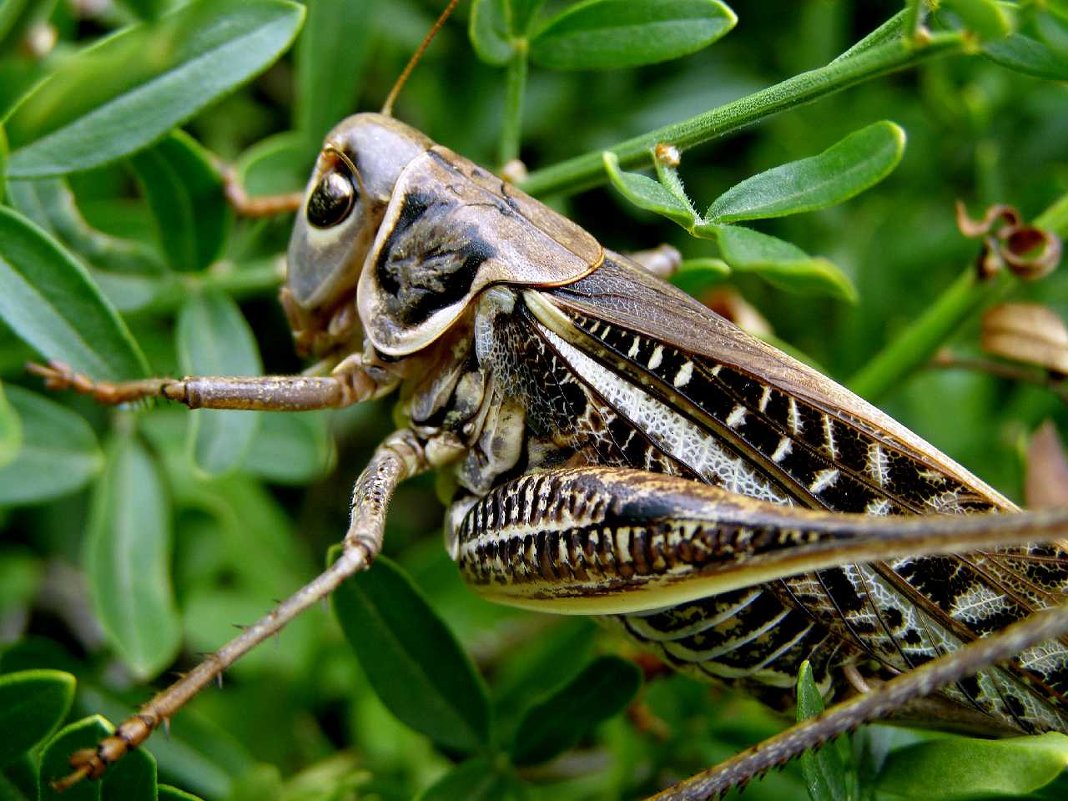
{"x":915,"y":347}
{"x":587,"y":170}
{"x":913,"y":17}
{"x":967,"y":295}
{"x":514,"y":89}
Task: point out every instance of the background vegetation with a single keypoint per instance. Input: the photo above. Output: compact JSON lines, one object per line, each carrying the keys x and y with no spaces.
{"x":135,"y":539}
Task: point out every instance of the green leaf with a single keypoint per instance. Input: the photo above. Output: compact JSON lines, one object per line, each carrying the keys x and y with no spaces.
{"x":645,"y":193}
{"x":127,"y":559}
{"x":185,"y":193}
{"x":478,"y":779}
{"x":113,"y":99}
{"x":20,"y":580}
{"x":290,"y":448}
{"x":59,"y":452}
{"x":133,"y":778}
{"x":277,"y":164}
{"x":331,"y":56}
{"x":213,"y":339}
{"x":827,"y":771}
{"x":1030,"y":56}
{"x":168,"y":793}
{"x":50,"y":301}
{"x":10,"y":431}
{"x":558,"y":722}
{"x":843,"y":170}
{"x":961,"y":768}
{"x":987,"y":19}
{"x":778,"y":262}
{"x":51,"y":204}
{"x":694,"y":276}
{"x":490,"y":33}
{"x":32,"y":705}
{"x":608,"y":34}
{"x":411,"y":659}
{"x":147,"y":9}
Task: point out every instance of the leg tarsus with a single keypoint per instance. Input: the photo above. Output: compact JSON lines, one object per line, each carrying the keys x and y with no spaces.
{"x":60,"y":376}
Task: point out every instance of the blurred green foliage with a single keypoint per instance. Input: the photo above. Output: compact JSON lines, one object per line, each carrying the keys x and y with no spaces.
{"x":135,"y":539}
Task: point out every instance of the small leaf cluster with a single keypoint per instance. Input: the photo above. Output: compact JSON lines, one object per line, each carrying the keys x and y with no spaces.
{"x":844,"y":170}
{"x":135,"y":539}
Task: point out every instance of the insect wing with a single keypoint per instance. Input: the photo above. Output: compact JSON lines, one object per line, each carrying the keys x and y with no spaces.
{"x":714,"y":404}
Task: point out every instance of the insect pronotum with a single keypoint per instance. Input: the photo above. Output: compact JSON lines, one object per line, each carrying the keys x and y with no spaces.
{"x":622,"y":451}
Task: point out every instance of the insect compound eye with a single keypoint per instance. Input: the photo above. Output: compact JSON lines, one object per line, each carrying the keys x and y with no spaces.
{"x":332,"y":199}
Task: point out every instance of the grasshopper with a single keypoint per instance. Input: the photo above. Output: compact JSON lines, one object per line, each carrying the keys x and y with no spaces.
{"x":619,"y":450}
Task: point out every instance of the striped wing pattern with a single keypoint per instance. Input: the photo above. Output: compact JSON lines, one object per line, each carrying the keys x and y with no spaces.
{"x":639,"y":398}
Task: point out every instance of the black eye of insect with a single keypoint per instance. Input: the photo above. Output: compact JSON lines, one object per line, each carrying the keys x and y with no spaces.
{"x":333,"y":198}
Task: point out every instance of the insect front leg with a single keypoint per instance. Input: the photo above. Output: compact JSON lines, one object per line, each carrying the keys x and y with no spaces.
{"x":400,"y":456}
{"x":351,"y":382}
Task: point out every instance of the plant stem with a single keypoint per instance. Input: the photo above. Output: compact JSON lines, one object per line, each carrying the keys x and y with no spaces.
{"x":514,"y":88}
{"x":914,"y":348}
{"x":587,"y":170}
{"x":913,"y":17}
{"x":964,"y":297}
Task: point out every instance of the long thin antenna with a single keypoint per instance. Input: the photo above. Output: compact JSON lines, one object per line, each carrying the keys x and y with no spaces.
{"x":387,"y":107}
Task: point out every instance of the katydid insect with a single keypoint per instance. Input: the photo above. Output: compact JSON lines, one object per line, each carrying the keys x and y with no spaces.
{"x":618,"y":450}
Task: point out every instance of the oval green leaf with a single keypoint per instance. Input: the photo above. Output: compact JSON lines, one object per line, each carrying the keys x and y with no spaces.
{"x":214,"y":339}
{"x":128,"y":559}
{"x":477,"y":779}
{"x":185,"y":194}
{"x":489,"y":32}
{"x":290,"y":448}
{"x":826,"y":770}
{"x":10,"y":431}
{"x":557,"y":723}
{"x":331,"y":55}
{"x":609,"y":34}
{"x":168,"y":793}
{"x":59,"y":452}
{"x":32,"y":705}
{"x":857,"y":162}
{"x":51,"y":204}
{"x":113,"y":99}
{"x":1025,"y":54}
{"x":778,"y":262}
{"x":277,"y":164}
{"x":954,"y":769}
{"x":411,"y":659}
{"x":50,"y":301}
{"x":645,"y":193}
{"x":987,"y":19}
{"x":133,"y":778}
{"x":695,"y":276}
